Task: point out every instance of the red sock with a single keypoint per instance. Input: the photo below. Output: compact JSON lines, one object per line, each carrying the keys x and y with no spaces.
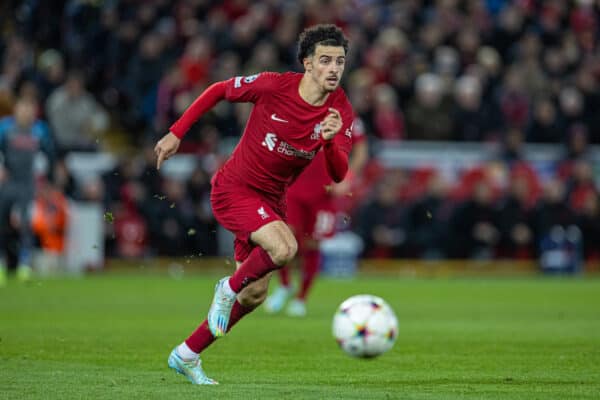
{"x":257,"y":265}
{"x":201,"y":338}
{"x":284,"y":275}
{"x":310,"y":269}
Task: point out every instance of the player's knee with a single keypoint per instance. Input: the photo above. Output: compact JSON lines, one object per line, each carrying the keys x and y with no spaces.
{"x":284,"y":252}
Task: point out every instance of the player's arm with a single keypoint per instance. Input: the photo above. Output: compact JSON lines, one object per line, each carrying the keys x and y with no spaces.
{"x":359,"y":157}
{"x":47,"y":147}
{"x":168,"y":145}
{"x":336,"y":154}
{"x":238,"y":89}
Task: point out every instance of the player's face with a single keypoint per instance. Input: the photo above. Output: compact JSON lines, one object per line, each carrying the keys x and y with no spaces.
{"x":327,"y":66}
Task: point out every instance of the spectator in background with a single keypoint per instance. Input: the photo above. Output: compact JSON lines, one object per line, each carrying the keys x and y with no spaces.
{"x":204,"y":241}
{"x":558,"y":239}
{"x":22,"y":136}
{"x":589,"y":223}
{"x":552,"y":211}
{"x":577,"y":148}
{"x":474,"y":229}
{"x":514,"y":99}
{"x":428,"y":115}
{"x":572,"y":107}
{"x":76,"y":118}
{"x":587,"y":82}
{"x":577,"y":143}
{"x":51,"y":67}
{"x":513,"y":145}
{"x":171,"y":220}
{"x":139,"y":84}
{"x":49,"y":224}
{"x":93,"y":190}
{"x":545,"y":126}
{"x":131,"y":230}
{"x":148,"y":174}
{"x":170,"y":86}
{"x":6,"y":99}
{"x":516,"y":220}
{"x":388,"y":118}
{"x":63,"y":179}
{"x":360,"y":94}
{"x":381,"y":223}
{"x":17,"y":57}
{"x":264,"y":58}
{"x":428,"y":219}
{"x":489,"y":71}
{"x":580,"y":185}
{"x":473,"y":120}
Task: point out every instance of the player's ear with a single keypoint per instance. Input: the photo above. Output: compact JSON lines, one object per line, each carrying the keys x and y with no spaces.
{"x":308,"y":64}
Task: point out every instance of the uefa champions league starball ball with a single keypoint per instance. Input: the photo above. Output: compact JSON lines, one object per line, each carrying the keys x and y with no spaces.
{"x":365,"y":326}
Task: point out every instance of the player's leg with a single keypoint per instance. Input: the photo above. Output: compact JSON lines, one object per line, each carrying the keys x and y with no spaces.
{"x":323,"y":225}
{"x":247,"y":301}
{"x":185,"y":358}
{"x":296,"y":219}
{"x":311,"y":262}
{"x":309,"y":265}
{"x":275,"y":246}
{"x":24,"y":204}
{"x":255,"y":224}
{"x":5,"y":206}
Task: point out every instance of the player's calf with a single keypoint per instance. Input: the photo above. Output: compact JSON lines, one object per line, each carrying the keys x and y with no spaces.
{"x":255,"y":293}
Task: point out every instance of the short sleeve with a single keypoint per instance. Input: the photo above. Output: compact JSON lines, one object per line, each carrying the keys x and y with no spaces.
{"x":250,"y":88}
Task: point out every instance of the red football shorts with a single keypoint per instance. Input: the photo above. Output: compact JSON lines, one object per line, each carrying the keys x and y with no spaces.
{"x":314,"y":219}
{"x":241,"y":210}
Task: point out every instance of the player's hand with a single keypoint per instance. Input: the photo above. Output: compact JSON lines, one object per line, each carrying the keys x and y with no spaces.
{"x":165,"y":148}
{"x":331,"y":125}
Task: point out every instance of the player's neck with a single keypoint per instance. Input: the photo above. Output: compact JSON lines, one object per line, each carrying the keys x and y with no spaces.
{"x":311,"y":93}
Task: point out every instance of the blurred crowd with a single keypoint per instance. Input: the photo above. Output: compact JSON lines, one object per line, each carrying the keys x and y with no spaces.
{"x":121,"y":71}
{"x":496,"y":210}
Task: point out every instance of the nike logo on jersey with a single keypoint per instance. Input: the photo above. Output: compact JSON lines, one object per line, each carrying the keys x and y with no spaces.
{"x":275,"y":118}
{"x":270,"y":140}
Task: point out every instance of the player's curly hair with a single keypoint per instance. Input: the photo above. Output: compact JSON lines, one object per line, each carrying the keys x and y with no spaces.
{"x":323,"y":34}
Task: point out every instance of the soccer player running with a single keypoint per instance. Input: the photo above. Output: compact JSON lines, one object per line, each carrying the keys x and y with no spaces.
{"x":312,"y":214}
{"x":294,"y":116}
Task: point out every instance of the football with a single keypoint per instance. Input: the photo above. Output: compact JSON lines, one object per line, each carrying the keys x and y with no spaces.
{"x":365,"y":326}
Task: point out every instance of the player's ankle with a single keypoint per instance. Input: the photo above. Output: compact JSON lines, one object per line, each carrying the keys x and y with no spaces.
{"x":228,"y":290}
{"x":186,"y":354}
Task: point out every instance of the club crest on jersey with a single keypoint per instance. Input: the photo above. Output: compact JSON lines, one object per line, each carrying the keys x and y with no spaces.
{"x":316,"y":135}
{"x":269,"y":141}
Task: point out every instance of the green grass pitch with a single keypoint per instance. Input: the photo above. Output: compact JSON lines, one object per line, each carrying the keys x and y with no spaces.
{"x":108,"y":337}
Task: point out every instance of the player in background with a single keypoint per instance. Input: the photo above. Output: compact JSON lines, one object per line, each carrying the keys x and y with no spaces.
{"x":293,"y":117}
{"x":312,"y":215}
{"x":22,"y":136}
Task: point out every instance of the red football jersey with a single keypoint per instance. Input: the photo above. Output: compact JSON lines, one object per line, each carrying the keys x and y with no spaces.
{"x":282,"y":135}
{"x":314,"y":181}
